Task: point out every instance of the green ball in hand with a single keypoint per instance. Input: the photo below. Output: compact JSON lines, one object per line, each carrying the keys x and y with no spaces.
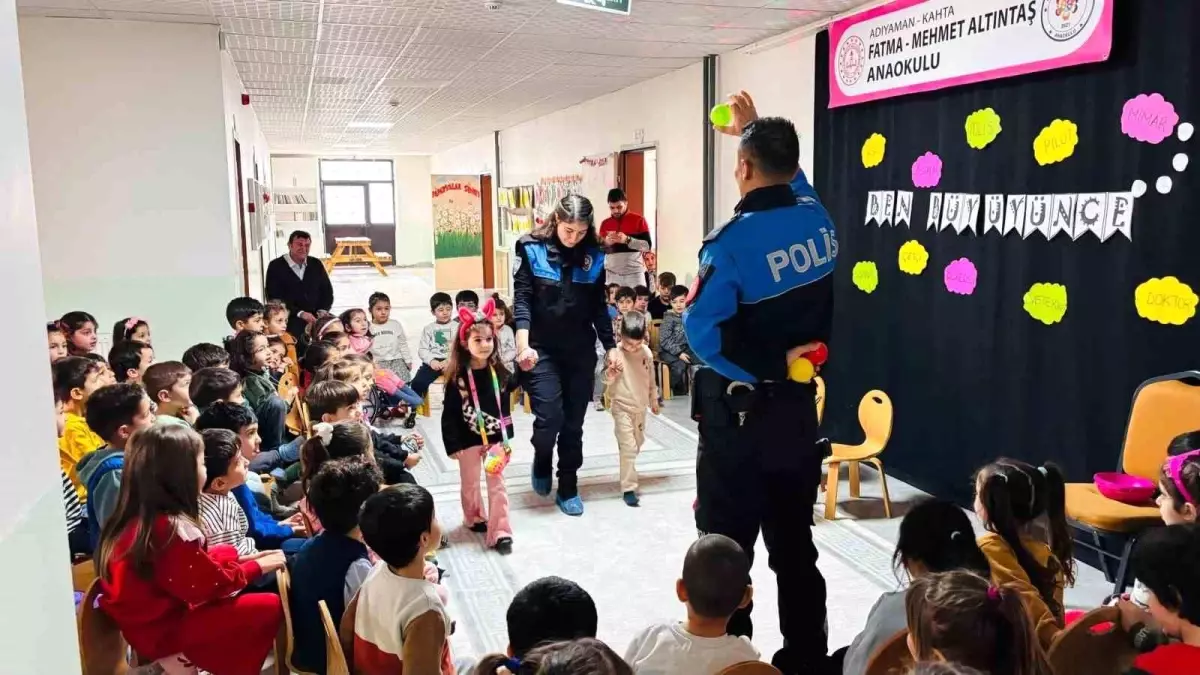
{"x":721,"y":115}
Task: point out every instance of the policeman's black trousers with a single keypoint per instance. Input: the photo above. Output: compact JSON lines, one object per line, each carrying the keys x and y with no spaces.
{"x":560,"y":391}
{"x":764,"y":474}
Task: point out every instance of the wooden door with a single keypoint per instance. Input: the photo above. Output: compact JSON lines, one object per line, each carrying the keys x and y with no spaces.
{"x":489,"y":234}
{"x":633,"y":179}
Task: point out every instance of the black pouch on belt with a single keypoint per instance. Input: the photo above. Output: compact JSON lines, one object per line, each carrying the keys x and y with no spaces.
{"x":708,"y":395}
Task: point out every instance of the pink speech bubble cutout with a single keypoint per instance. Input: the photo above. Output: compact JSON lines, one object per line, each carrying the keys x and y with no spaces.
{"x":1149,"y":118}
{"x":927,"y":171}
{"x":960,"y":277}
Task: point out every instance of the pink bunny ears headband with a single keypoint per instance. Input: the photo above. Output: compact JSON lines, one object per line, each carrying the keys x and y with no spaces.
{"x":132,"y":323}
{"x":1175,"y":470}
{"x":468,"y":317}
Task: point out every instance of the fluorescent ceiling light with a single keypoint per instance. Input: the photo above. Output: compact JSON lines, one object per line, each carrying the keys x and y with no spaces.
{"x":370,"y":125}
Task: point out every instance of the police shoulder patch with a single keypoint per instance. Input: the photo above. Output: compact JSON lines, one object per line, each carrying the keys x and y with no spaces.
{"x":702,"y":276}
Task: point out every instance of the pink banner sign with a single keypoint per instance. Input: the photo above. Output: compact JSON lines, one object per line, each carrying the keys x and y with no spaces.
{"x":911,"y":46}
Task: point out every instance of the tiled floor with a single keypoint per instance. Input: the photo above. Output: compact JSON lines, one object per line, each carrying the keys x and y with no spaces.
{"x":628,"y":559}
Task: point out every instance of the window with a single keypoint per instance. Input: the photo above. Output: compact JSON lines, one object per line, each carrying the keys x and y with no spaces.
{"x":358,"y":192}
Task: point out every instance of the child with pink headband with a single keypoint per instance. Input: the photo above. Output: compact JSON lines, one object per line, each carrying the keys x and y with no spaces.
{"x":1178,"y":504}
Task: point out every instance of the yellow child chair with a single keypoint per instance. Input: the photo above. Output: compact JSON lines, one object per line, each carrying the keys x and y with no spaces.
{"x":892,"y":657}
{"x":284,"y":643}
{"x":875,"y":416}
{"x":1163,"y":408}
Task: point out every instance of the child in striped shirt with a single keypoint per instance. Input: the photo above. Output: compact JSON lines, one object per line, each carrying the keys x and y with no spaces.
{"x":221,"y":517}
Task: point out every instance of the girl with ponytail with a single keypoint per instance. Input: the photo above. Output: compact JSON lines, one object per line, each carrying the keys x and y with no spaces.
{"x":1015,"y":500}
{"x":328,"y":442}
{"x":935,"y":536}
{"x":962,"y":618}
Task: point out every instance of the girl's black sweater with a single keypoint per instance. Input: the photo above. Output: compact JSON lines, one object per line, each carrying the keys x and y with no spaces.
{"x":459,"y":427}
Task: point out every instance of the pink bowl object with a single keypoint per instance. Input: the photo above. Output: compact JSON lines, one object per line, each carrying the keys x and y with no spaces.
{"x":1122,"y":487}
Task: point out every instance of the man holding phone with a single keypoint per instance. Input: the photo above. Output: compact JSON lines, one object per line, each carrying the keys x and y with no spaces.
{"x":625,"y":236}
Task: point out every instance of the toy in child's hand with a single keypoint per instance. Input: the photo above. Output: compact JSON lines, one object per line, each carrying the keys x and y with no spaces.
{"x":804,"y":369}
{"x":497,"y":458}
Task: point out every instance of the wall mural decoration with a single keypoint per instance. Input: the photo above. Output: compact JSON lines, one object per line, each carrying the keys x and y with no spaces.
{"x":457,"y":217}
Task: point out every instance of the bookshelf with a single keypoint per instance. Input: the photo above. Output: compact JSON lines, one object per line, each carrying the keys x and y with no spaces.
{"x":295,"y":206}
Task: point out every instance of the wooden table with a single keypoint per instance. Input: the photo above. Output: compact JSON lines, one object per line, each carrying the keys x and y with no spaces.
{"x":355,"y":250}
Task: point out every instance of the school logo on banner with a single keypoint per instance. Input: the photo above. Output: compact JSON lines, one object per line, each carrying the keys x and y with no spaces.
{"x":850,"y":59}
{"x":1062,"y":20}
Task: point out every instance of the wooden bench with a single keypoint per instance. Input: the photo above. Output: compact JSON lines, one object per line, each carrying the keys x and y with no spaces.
{"x":349,"y":250}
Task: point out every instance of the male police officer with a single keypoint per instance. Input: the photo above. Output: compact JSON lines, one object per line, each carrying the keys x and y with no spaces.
{"x":763,"y":296}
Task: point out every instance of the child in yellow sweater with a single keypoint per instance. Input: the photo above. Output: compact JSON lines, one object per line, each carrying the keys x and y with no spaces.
{"x":75,"y":378}
{"x":1011,"y":499}
{"x":631,"y":390}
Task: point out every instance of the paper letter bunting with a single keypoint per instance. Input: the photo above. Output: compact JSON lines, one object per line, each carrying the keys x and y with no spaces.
{"x":952,"y":212}
{"x":1063,"y":215}
{"x":971,"y":213}
{"x":1039,"y":215}
{"x":1089,"y":214}
{"x":935,"y":211}
{"x":889,"y":208}
{"x":993,"y":215}
{"x":873,"y":208}
{"x":904,"y":201}
{"x":1014,"y":216}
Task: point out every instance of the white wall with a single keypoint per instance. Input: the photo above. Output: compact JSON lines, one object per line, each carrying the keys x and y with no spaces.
{"x":130,"y":151}
{"x":781,"y":82}
{"x":414,"y":210}
{"x":241,"y":123}
{"x":38,"y":623}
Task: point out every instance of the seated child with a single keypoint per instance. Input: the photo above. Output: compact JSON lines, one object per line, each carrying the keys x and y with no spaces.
{"x":76,"y":378}
{"x":205,"y":355}
{"x":1012,"y":499}
{"x":583,"y":656}
{"x":245,"y":314}
{"x":626,"y":297}
{"x":435,"y":343}
{"x":80,"y":331}
{"x":210,"y":385}
{"x":715,"y":584}
{"x":248,"y":356}
{"x":77,"y":526}
{"x":221,"y":518}
{"x":466,"y":298}
{"x":318,"y":355}
{"x":1166,"y":561}
{"x":332,"y":565}
{"x":641,"y":300}
{"x":131,"y":328}
{"x":631,"y":390}
{"x":401,"y":623}
{"x":169,"y":385}
{"x":360,"y":371}
{"x":935,"y":536}
{"x":610,"y":292}
{"x":661,"y":301}
{"x":115,"y":412}
{"x":333,"y":401}
{"x":328,"y":328}
{"x":550,"y":609}
{"x":164,"y":589}
{"x":275,"y":316}
{"x":673,"y":348}
{"x":391,"y":344}
{"x":962,"y":618}
{"x":358,"y":329}
{"x":129,"y":359}
{"x":56,"y":341}
{"x":266,"y":532}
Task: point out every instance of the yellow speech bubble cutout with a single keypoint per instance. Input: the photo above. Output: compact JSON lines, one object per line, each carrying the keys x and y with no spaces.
{"x":865,"y":276}
{"x":873,"y":150}
{"x":1056,"y":142}
{"x":1046,"y":302}
{"x":983,"y":126}
{"x":1167,"y":300}
{"x":913,"y":257}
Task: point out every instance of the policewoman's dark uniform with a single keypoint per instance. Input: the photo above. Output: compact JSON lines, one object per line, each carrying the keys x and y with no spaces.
{"x":559,"y":296}
{"x":765,"y":285}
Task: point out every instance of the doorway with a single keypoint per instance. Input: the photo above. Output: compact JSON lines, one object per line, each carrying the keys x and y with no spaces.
{"x":359,"y":201}
{"x":637,"y":175}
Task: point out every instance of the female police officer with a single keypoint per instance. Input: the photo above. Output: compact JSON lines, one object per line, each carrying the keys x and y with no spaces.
{"x":560,"y":309}
{"x":763,"y":296}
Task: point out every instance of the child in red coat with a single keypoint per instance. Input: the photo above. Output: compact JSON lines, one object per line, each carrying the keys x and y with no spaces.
{"x":166,"y":590}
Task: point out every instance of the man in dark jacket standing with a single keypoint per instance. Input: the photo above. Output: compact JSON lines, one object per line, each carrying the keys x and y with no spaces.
{"x":301,"y":283}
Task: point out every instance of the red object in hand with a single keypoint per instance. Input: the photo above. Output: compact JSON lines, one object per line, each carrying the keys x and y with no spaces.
{"x":819,"y":355}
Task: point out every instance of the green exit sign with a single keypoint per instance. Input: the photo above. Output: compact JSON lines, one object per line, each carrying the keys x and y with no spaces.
{"x":612,"y":6}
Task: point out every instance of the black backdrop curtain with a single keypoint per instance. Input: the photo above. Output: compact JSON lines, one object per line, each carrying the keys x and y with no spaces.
{"x":975,"y":377}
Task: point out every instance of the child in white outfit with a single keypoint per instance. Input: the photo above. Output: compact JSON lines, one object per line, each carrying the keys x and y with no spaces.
{"x":631,"y":390}
{"x":715,"y":584}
